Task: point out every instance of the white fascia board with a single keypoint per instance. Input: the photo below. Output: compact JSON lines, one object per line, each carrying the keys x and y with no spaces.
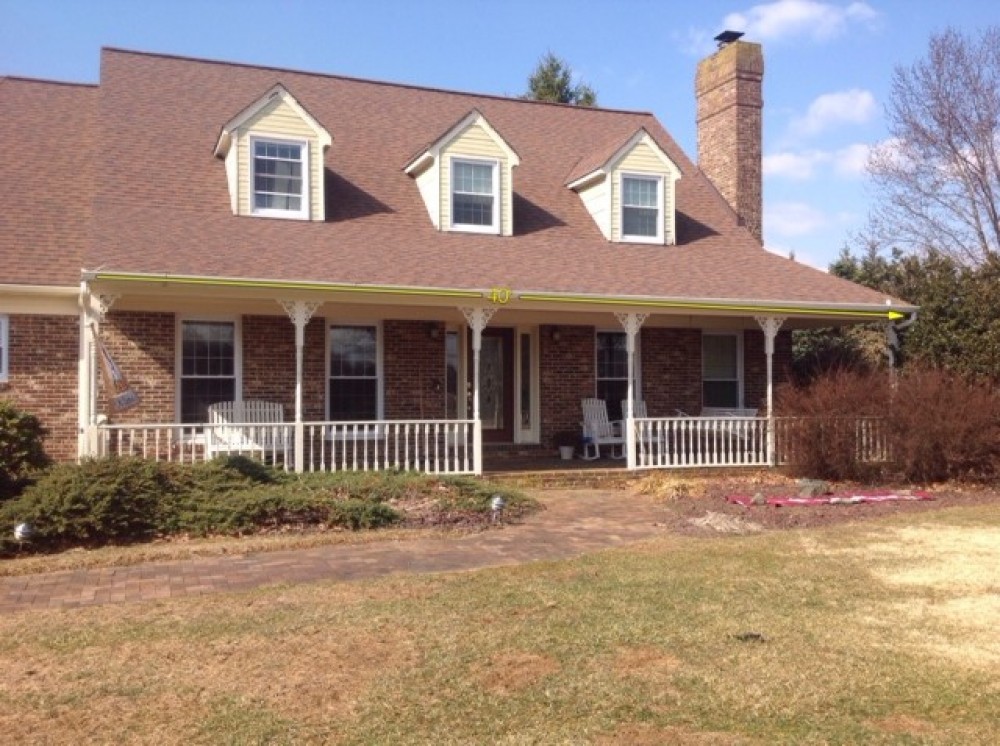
{"x":643,"y":137}
{"x":276,"y":91}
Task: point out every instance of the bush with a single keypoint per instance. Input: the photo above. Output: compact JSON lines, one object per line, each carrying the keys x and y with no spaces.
{"x":820,"y":438}
{"x":21,"y":452}
{"x":937,"y":426}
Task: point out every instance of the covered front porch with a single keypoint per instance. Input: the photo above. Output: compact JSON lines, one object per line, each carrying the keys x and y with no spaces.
{"x":367,"y":378}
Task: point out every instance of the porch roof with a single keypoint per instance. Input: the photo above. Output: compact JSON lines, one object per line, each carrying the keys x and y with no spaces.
{"x":161,"y":206}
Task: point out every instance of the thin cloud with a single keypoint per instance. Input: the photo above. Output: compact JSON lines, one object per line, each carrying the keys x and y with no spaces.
{"x":847,"y":162}
{"x":791,"y":219}
{"x":854,"y":106}
{"x":810,"y":19}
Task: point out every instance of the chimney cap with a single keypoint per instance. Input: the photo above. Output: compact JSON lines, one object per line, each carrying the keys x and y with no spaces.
{"x":728,"y":37}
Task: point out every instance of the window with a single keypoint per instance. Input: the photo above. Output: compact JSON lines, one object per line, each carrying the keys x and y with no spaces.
{"x":4,"y":348}
{"x":612,"y":371}
{"x":474,"y":196}
{"x":721,"y":366}
{"x":451,"y":370}
{"x":354,"y":374}
{"x":208,"y":367}
{"x":641,"y":204}
{"x":280,"y":185}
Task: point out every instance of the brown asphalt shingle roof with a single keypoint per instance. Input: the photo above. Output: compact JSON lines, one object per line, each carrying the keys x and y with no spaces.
{"x":161,"y":204}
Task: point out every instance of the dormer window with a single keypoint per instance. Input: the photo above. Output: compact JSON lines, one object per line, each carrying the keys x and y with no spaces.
{"x":641,"y":208}
{"x":280,"y":178}
{"x":474,"y":196}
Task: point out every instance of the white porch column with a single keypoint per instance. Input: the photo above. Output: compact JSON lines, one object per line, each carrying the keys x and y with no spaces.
{"x":93,"y":309}
{"x":631,"y":322}
{"x":770,"y":326}
{"x":300,"y":312}
{"x":477,"y":318}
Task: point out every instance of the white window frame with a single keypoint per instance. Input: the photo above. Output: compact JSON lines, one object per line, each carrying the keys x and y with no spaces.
{"x":740,"y":373}
{"x":179,"y":354}
{"x":631,"y":238}
{"x":467,"y":227}
{"x":303,"y":212}
{"x":637,"y":368}
{"x":379,"y":363}
{"x":4,"y":348}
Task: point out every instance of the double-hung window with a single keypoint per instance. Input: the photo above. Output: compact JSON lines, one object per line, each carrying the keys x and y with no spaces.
{"x":721,"y":365}
{"x":4,"y":348}
{"x":642,"y":208}
{"x":208,"y":367}
{"x":354,"y":373}
{"x":612,"y":371}
{"x":475,"y":196}
{"x":280,"y":178}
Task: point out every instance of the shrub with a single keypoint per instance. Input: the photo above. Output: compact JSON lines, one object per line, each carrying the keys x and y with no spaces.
{"x":21,"y":452}
{"x":820,"y":437}
{"x":936,"y":425}
{"x":945,"y":426}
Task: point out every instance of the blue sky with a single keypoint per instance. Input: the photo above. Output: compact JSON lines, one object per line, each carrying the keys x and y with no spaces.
{"x":828,"y":63}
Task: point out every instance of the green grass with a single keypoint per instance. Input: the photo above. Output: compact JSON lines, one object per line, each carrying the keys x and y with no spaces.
{"x":639,"y":645}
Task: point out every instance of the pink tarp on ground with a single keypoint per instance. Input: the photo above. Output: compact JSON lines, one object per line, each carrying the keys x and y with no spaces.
{"x":843,"y":498}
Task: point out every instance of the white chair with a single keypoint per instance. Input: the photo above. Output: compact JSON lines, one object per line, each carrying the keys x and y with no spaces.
{"x":638,"y":408}
{"x":598,"y":430}
{"x":249,"y":426}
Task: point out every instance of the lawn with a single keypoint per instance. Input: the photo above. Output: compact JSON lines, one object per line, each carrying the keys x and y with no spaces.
{"x":881,"y":632}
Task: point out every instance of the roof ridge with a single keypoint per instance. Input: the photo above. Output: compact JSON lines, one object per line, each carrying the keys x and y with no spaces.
{"x":47,"y":81}
{"x":373,"y":81}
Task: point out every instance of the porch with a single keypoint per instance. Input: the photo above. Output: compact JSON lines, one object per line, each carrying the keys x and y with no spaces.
{"x":455,"y":447}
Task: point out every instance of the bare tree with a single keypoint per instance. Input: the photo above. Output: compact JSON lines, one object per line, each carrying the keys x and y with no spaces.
{"x":937,"y":178}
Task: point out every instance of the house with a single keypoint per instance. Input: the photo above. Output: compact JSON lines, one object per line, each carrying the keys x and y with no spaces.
{"x":413,"y":277}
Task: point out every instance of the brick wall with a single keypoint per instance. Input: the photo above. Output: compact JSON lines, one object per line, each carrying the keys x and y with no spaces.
{"x":44,"y":351}
{"x":671,"y":370}
{"x":142,"y":343}
{"x":269,"y":361}
{"x":413,"y":367}
{"x":567,"y":376}
{"x":730,"y":125}
{"x":755,"y":366}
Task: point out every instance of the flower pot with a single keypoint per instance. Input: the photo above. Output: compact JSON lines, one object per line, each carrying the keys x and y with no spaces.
{"x":566,"y":453}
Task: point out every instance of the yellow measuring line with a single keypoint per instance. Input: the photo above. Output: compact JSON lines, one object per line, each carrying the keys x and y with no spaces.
{"x":702,"y":306}
{"x":275,"y":285}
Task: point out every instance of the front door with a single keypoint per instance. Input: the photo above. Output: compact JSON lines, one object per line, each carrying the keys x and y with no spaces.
{"x":496,"y":385}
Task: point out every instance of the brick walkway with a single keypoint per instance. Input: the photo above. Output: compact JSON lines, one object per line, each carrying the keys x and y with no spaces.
{"x":575,"y":522}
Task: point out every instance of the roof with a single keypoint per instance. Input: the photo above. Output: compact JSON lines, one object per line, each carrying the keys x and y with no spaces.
{"x":162,"y":205}
{"x":46,"y":131}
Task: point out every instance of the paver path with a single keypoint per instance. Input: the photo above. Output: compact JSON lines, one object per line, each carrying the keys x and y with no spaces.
{"x":573,"y":523}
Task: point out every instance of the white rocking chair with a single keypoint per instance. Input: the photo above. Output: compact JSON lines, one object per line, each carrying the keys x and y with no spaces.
{"x":598,"y":430}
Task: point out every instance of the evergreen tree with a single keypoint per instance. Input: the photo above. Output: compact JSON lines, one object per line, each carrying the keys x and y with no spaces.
{"x":552,"y":80}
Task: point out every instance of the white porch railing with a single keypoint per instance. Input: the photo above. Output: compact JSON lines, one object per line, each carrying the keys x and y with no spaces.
{"x":432,"y":446}
{"x":677,"y":442}
{"x":868,"y":434}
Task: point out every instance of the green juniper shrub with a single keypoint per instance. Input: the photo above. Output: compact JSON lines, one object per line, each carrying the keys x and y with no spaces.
{"x":21,"y":451}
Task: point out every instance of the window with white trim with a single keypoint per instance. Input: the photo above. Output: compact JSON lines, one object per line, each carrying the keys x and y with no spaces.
{"x":4,"y":347}
{"x":475,"y":196}
{"x":354,"y":373}
{"x":722,"y":370}
{"x":208,"y":367}
{"x":642,"y":208}
{"x":612,"y":371}
{"x":280,"y":178}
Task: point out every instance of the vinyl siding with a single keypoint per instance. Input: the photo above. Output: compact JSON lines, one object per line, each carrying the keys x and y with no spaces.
{"x":278,"y":119}
{"x":642,"y":160}
{"x":474,"y":142}
{"x":595,"y":199}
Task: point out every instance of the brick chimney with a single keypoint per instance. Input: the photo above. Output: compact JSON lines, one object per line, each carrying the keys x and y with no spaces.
{"x":730,"y":117}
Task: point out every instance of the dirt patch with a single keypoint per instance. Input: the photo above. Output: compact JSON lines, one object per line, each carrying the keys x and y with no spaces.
{"x":505,"y":673}
{"x":725,"y":524}
{"x":646,"y":661}
{"x":646,"y":735}
{"x":904,"y":725}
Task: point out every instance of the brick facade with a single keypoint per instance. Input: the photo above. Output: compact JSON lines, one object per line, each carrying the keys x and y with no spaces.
{"x":413,"y":354}
{"x":142,"y":343}
{"x":755,"y":366}
{"x":44,"y":351}
{"x":671,"y":370}
{"x":567,"y":376}
{"x":730,"y":128}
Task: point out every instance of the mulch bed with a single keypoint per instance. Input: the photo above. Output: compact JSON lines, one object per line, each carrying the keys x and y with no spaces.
{"x":714,"y":498}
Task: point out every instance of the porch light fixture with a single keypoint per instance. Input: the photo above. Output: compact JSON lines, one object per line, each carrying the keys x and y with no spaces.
{"x":435,"y":331}
{"x":556,"y":335}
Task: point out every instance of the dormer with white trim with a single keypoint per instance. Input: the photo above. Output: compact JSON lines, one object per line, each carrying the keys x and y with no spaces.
{"x":466,"y":178}
{"x":632,"y":194}
{"x":274,"y":152}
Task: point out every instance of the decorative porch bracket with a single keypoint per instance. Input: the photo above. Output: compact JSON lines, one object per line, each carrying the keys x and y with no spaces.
{"x":477,"y":319}
{"x":770,"y":326}
{"x":300,"y":312}
{"x":631,"y":323}
{"x":94,"y":309}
